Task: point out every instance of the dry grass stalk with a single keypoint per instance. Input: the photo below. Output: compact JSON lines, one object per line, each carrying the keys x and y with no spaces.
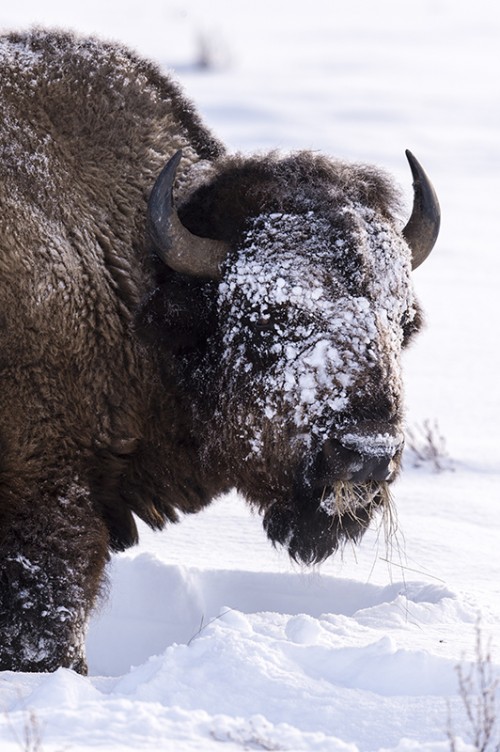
{"x":426,"y":446}
{"x":347,"y":500}
{"x":478,"y":691}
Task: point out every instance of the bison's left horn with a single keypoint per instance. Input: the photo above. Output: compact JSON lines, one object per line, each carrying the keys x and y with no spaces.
{"x":175,"y":244}
{"x":423,"y":226}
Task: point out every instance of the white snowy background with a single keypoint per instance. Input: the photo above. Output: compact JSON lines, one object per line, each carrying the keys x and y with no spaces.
{"x":210,"y":639}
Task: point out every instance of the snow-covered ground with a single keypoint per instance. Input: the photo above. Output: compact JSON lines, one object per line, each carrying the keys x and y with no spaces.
{"x":210,"y":639}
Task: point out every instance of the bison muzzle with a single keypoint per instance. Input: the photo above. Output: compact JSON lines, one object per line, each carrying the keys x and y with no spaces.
{"x":176,"y":321}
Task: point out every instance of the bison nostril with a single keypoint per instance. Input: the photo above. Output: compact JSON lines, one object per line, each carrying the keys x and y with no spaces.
{"x":373,"y":468}
{"x":371,"y":441}
{"x":364,"y":453}
{"x":374,"y":448}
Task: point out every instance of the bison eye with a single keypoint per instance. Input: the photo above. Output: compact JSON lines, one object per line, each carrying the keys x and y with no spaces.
{"x":265,"y":324}
{"x":405,"y":320}
{"x":410,"y":325}
{"x":271,"y":318}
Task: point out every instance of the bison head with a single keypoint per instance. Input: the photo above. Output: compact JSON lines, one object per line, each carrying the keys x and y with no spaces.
{"x":283,"y":308}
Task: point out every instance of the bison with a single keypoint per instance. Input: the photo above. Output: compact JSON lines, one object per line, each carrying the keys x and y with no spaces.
{"x":176,"y":321}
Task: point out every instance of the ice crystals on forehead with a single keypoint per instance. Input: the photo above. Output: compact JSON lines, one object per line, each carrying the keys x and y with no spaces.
{"x":285,"y":299}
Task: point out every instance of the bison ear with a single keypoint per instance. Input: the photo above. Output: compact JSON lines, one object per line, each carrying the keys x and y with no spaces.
{"x":175,"y":245}
{"x":422,"y":229}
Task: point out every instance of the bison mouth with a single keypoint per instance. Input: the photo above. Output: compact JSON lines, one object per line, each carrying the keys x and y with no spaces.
{"x":312,"y":527}
{"x":337,"y":491}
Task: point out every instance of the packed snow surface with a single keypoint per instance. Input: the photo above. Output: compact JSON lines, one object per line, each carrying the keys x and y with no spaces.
{"x":210,"y":639}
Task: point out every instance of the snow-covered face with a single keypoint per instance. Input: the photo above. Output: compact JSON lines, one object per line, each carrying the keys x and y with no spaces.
{"x":312,"y":321}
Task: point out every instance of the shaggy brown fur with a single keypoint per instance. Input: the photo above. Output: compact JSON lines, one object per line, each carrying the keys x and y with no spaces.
{"x":86,"y":127}
{"x":97,"y":423}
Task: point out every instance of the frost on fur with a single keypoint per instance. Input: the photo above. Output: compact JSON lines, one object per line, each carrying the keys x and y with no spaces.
{"x":49,"y":580}
{"x":177,"y":321}
{"x":288,"y":304}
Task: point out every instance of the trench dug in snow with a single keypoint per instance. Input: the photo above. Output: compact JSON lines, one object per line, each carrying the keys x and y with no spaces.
{"x":154,"y":605}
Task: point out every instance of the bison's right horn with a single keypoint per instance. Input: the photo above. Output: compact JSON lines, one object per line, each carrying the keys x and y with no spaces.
{"x":175,"y":244}
{"x":422,"y":228}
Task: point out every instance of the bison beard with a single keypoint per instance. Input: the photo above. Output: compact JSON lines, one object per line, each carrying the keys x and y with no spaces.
{"x":311,"y":533}
{"x":174,"y":322}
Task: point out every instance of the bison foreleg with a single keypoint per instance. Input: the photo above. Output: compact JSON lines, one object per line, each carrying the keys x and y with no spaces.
{"x":52,"y":557}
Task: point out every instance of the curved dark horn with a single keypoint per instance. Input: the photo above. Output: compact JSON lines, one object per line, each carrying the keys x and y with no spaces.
{"x":423,"y":226}
{"x":175,"y":245}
